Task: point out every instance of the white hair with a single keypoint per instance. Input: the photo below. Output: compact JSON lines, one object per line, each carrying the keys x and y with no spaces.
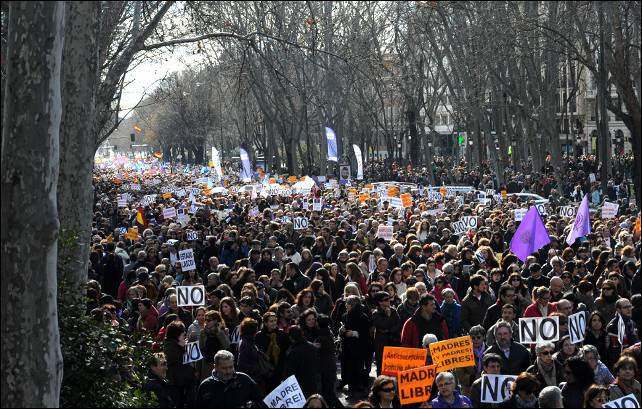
{"x":223,"y":355}
{"x":445,"y":374}
{"x":550,"y":397}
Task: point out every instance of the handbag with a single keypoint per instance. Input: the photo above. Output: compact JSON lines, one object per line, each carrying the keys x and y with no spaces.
{"x":264,"y":367}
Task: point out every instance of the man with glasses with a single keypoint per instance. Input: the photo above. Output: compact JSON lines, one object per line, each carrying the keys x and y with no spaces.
{"x":618,"y":341}
{"x":492,"y":364}
{"x":448,"y":397}
{"x":157,"y":381}
{"x":506,"y":296}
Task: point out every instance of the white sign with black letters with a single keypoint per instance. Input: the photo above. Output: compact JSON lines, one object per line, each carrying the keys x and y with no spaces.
{"x":287,"y":395}
{"x":496,"y":388}
{"x":519,"y":214}
{"x":567,"y":211}
{"x":169,"y":213}
{"x":192,"y":235}
{"x":627,"y":401}
{"x":464,"y":224}
{"x":539,"y":329}
{"x":192,"y":353}
{"x":300,"y":223}
{"x":187,"y":259}
{"x":385,"y":232}
{"x":190,"y":295}
{"x":577,"y":327}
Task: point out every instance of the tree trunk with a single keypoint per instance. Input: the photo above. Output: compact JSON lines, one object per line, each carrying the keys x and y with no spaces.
{"x":31,"y":357}
{"x":77,"y":143}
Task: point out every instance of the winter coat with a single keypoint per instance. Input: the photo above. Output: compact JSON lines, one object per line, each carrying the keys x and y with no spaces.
{"x":214,"y":393}
{"x":473,"y":310}
{"x":302,"y":361}
{"x":179,"y":374}
{"x":416,"y":327}
{"x":518,"y":361}
{"x":210,"y":342}
{"x":452,"y":314}
{"x":165,"y":393}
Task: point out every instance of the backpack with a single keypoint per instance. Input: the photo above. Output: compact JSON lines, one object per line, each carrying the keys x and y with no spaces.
{"x":264,"y":367}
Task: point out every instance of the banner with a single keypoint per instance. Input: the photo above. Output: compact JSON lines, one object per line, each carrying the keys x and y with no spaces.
{"x":577,"y":327}
{"x":192,"y":353}
{"x":609,"y":210}
{"x":287,"y":395}
{"x":453,"y":353}
{"x":169,"y":213}
{"x":415,"y":384}
{"x":246,"y":172}
{"x":627,"y":401}
{"x":535,"y":330}
{"x":332,"y":145}
{"x":186,"y":258}
{"x":357,"y":153}
{"x":464,"y":224}
{"x":406,"y":200}
{"x":216,"y":161}
{"x":397,"y":359}
{"x":496,"y":388}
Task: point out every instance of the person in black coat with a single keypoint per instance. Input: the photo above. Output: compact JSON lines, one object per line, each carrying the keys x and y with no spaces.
{"x":157,"y":382}
{"x":302,"y":361}
{"x":112,"y":267}
{"x":517,"y":359}
{"x":274,"y":343}
{"x":356,"y":342}
{"x":387,"y":326}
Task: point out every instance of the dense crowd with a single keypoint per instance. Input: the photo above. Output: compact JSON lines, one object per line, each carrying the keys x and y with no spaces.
{"x":322,"y":302}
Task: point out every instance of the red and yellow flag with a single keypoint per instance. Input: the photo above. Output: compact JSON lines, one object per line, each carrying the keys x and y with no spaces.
{"x":140,"y":218}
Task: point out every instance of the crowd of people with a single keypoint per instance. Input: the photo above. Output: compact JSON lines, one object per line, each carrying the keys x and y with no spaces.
{"x":322,"y":302}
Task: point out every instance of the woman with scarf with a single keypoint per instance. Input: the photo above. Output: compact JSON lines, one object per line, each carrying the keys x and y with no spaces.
{"x":565,"y":350}
{"x":468,"y":375}
{"x":451,"y":310}
{"x":547,"y":371}
{"x":625,"y":382}
{"x":211,"y":339}
{"x":602,"y":374}
{"x":440,"y":285}
{"x":274,"y":342}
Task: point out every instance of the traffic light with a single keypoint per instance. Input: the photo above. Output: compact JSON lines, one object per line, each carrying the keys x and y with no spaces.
{"x":133,"y":137}
{"x":461,"y":138}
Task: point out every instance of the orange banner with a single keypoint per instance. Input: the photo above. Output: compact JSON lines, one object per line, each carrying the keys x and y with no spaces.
{"x":167,"y":195}
{"x":415,"y":384}
{"x":397,"y":359}
{"x":132,"y":233}
{"x":453,"y":353}
{"x":406,"y":200}
{"x":363,"y":197}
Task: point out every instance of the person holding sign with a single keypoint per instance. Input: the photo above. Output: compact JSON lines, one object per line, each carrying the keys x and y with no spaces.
{"x":181,"y":375}
{"x":226,"y":388}
{"x":625,"y":383}
{"x":492,"y":364}
{"x":622,"y":331}
{"x":524,"y":392}
{"x":448,"y":397}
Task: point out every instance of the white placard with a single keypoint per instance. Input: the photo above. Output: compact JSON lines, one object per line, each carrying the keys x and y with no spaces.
{"x":287,"y":395}
{"x":567,"y":211}
{"x":122,"y":202}
{"x":627,"y":401}
{"x":490,"y":192}
{"x":192,"y":235}
{"x":169,"y":213}
{"x":192,"y":353}
{"x":385,"y":232}
{"x":541,"y":209}
{"x":300,"y":223}
{"x":285,"y":219}
{"x":317,"y":204}
{"x":190,"y":295}
{"x":180,"y":193}
{"x":577,"y":327}
{"x":464,"y":224}
{"x":519,"y":214}
{"x":539,"y":329}
{"x":609,"y":210}
{"x":148,"y":200}
{"x":621,"y":329}
{"x":134,"y":186}
{"x":186,"y":258}
{"x":485,"y":202}
{"x":496,"y":388}
{"x":592,"y":178}
{"x":183,"y":219}
{"x":395,"y":202}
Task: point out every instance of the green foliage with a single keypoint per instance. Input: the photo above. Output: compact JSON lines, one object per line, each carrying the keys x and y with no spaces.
{"x":104,"y":366}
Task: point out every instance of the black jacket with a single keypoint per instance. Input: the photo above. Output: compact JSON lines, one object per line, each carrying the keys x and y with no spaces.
{"x":214,"y":393}
{"x":165,"y":393}
{"x":518,"y":361}
{"x":302,"y":361}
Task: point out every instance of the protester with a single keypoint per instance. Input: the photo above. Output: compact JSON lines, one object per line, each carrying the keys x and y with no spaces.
{"x":448,"y":397}
{"x":384,"y":393}
{"x":524,"y":392}
{"x":157,"y":382}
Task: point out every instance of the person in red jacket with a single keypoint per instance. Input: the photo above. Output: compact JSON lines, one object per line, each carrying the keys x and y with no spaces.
{"x":541,"y":306}
{"x":426,"y":320}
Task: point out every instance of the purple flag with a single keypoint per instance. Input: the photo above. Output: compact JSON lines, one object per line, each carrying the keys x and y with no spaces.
{"x":582,"y":225}
{"x":530,"y":236}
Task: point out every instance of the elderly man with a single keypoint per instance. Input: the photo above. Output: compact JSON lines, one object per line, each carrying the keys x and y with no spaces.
{"x":557,"y":289}
{"x":551,"y":397}
{"x":227,"y":388}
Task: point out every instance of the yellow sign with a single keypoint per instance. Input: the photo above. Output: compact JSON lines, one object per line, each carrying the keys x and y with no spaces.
{"x":415,"y":384}
{"x":406,"y":200}
{"x":210,"y":164}
{"x":503,"y":192}
{"x":272,"y":180}
{"x":393,"y":191}
{"x":453,"y":353}
{"x":167,"y":195}
{"x":292,"y":179}
{"x":132,"y":233}
{"x":397,"y":359}
{"x":443,"y":191}
{"x":363,"y":197}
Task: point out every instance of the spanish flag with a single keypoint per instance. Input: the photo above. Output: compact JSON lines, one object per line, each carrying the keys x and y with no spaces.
{"x":140,"y":218}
